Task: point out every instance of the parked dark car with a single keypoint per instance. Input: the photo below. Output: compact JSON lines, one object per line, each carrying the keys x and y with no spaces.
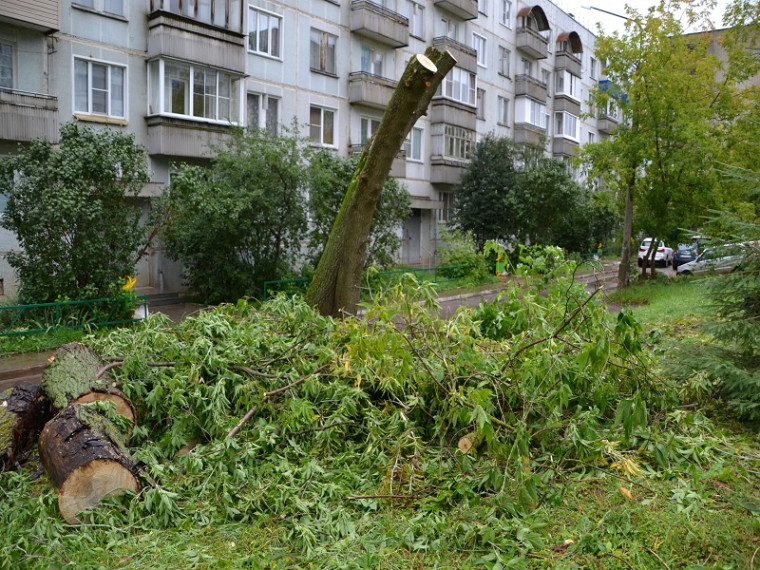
{"x":686,"y":252}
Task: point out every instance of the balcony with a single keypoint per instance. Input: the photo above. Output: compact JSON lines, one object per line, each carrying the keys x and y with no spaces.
{"x":606,"y":124}
{"x":567,"y":104}
{"x":562,"y":146}
{"x":27,"y":116}
{"x":446,"y":111}
{"x":168,"y":136}
{"x":464,"y":9}
{"x":569,"y":62}
{"x":370,"y":90}
{"x":173,"y":35}
{"x":531,"y":87}
{"x":41,"y":15}
{"x":532,"y":43}
{"x":398,"y":166}
{"x":526,"y":133}
{"x":377,"y":23}
{"x":446,"y":171}
{"x":467,"y":57}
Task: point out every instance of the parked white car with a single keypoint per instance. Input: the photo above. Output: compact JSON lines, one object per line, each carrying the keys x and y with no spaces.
{"x":720,"y":259}
{"x":663,"y":255}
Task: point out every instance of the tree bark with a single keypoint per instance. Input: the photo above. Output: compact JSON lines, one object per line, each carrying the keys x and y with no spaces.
{"x":74,"y":376}
{"x":625,"y":257}
{"x":86,"y":459}
{"x":335,"y":286}
{"x":24,"y":410}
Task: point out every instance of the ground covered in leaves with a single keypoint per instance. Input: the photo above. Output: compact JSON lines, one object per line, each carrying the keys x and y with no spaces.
{"x":531,"y":432}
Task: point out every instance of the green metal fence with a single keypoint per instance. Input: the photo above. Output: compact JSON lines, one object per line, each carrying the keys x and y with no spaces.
{"x":42,"y":317}
{"x":373,"y":281}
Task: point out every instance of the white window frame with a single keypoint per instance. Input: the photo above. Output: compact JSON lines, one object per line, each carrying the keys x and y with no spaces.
{"x":321,"y":138}
{"x":566,"y":125}
{"x":505,"y":61}
{"x":158,"y":95}
{"x":592,"y":68}
{"x":274,"y":22}
{"x":480,"y":106}
{"x":109,"y":89}
{"x":458,"y":142}
{"x":413,"y":145}
{"x":445,"y":199}
{"x":568,"y":84}
{"x":483,"y":7}
{"x":367,"y":128}
{"x":460,"y":85}
{"x":102,"y":6}
{"x":372,"y":60}
{"x":416,"y":17}
{"x":326,"y":58}
{"x":11,"y":55}
{"x":480,"y":47}
{"x":502,"y":111}
{"x":450,"y":28}
{"x":265,"y":121}
{"x":505,"y":14}
{"x":531,"y":112}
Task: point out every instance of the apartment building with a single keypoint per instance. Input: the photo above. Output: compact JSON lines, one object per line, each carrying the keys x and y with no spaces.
{"x":179,"y":73}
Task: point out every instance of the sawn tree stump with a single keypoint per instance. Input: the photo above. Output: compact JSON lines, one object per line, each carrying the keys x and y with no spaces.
{"x":86,"y":459}
{"x":24,"y":409}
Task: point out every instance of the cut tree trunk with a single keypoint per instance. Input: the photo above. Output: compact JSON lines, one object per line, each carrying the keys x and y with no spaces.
{"x":74,"y":376}
{"x":335,"y":286}
{"x":24,"y":410}
{"x":86,"y":459}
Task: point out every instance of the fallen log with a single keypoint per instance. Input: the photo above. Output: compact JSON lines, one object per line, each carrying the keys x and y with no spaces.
{"x":24,"y":409}
{"x":74,"y":376}
{"x":86,"y":458}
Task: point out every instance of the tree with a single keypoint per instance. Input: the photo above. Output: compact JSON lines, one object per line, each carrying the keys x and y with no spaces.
{"x":335,"y":286}
{"x":328,"y":181}
{"x":239,"y":222}
{"x":73,"y":210}
{"x":662,"y":155}
{"x":512,"y":192}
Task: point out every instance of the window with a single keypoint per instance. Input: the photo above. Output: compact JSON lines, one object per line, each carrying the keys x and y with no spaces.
{"x":546,"y":76}
{"x":505,"y":14}
{"x":372,"y":61}
{"x":106,"y":6}
{"x":481,"y":104}
{"x":460,"y":86}
{"x":6,"y":66}
{"x":479,"y":45}
{"x":99,"y":88}
{"x":416,"y":15}
{"x":369,"y":127}
{"x":264,"y":32}
{"x":531,"y":111}
{"x":566,"y":125}
{"x":526,"y":67}
{"x":322,"y":54}
{"x":502,"y":110}
{"x":443,"y":213}
{"x":591,"y":138}
{"x":592,"y":65}
{"x":449,"y":28}
{"x":201,"y":93}
{"x":457,"y":142}
{"x":483,"y":7}
{"x":220,"y":13}
{"x":322,"y":126}
{"x":263,"y":112}
{"x":569,"y":84}
{"x":505,"y":57}
{"x":413,"y":145}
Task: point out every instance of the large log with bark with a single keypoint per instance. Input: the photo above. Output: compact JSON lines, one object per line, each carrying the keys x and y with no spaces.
{"x":86,"y":458}
{"x":24,"y":409}
{"x":334,"y":289}
{"x":77,"y":375}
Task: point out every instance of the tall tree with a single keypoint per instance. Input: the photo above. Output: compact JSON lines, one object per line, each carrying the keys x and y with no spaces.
{"x":335,"y":286}
{"x":667,"y":85}
{"x":239,"y":222}
{"x":73,"y":209}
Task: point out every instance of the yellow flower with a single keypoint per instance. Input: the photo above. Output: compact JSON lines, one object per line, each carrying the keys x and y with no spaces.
{"x":129,"y":283}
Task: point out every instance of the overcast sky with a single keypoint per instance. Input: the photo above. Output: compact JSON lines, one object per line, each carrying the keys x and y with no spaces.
{"x":589,"y":18}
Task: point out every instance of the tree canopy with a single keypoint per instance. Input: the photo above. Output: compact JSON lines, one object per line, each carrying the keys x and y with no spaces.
{"x":73,"y":211}
{"x":513,"y":192}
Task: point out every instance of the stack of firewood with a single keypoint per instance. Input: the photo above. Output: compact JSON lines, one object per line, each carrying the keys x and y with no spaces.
{"x":81,"y":446}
